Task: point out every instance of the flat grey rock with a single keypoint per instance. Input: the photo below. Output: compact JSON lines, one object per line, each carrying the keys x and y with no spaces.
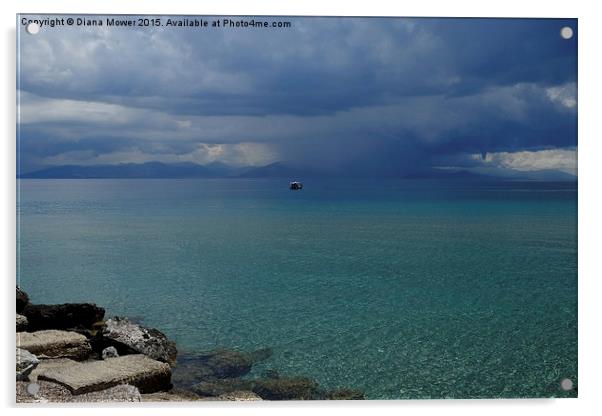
{"x":26,"y":362}
{"x":54,"y":393}
{"x":55,"y":344}
{"x":47,"y":364}
{"x":120,"y":393}
{"x":146,"y":374}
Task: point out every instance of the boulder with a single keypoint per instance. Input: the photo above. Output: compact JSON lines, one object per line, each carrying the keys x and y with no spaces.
{"x":64,"y":316}
{"x":240,"y":396}
{"x":26,"y":362}
{"x":128,"y":338}
{"x":55,"y":344}
{"x":218,"y":387}
{"x":146,"y":374}
{"x":22,"y":300}
{"x":345,"y":394}
{"x":286,"y":388}
{"x":21,"y":323}
{"x":109,"y":352}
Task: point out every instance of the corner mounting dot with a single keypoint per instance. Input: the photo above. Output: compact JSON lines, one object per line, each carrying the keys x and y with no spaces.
{"x":33,"y":388}
{"x":566,"y":384}
{"x":32,"y":28}
{"x":566,"y":32}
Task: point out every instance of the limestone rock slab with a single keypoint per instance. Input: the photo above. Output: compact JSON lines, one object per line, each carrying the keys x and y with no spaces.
{"x":55,"y":344}
{"x":146,"y":374}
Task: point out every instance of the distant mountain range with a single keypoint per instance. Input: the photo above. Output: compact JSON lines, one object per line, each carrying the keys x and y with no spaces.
{"x":126,"y":170}
{"x":273,"y":170}
{"x":168,"y":170}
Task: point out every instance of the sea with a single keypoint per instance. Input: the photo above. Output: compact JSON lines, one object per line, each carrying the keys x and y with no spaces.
{"x":404,"y":289}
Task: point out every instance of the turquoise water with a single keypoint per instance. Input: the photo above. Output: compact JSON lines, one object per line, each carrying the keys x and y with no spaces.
{"x":401,"y":288}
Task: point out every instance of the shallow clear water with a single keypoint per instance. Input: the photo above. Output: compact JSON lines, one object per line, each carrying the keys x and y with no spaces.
{"x":401,"y":288}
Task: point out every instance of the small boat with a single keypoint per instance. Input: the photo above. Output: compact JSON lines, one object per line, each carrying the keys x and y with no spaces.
{"x":295,"y":186}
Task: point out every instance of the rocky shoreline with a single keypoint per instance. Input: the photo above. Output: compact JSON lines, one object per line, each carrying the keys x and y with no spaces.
{"x":71,"y":353}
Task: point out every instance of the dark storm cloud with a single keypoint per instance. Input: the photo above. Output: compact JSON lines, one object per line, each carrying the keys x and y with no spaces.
{"x":366,"y":94}
{"x":489,"y":52}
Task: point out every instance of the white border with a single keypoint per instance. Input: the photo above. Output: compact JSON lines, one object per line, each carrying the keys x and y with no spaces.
{"x":590,"y":207}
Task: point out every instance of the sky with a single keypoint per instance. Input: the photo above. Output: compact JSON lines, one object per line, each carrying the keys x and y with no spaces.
{"x":368,"y":96}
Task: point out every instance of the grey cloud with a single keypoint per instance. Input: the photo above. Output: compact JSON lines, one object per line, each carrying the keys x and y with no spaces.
{"x":347,"y":93}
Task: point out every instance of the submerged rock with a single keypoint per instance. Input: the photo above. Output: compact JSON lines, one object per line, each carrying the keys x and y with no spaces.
{"x":26,"y":362}
{"x":64,"y":316}
{"x":22,"y":300}
{"x":261,"y":354}
{"x":228,"y":364}
{"x":109,"y":352}
{"x":210,"y":366}
{"x":128,"y":338}
{"x":170,"y":396}
{"x":21,"y":323}
{"x":186,"y":372}
{"x":55,"y":344}
{"x":345,"y":394}
{"x":222,"y":364}
{"x":286,"y":388}
{"x":271,"y":373}
{"x":218,"y":387}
